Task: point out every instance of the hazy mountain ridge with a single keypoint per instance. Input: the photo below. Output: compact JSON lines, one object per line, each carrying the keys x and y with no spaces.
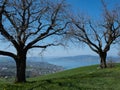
{"x":8,"y":68}
{"x":44,"y":65}
{"x":78,"y":61}
{"x":84,"y":58}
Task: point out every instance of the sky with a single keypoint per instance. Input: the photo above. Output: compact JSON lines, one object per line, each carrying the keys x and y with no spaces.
{"x":93,"y":8}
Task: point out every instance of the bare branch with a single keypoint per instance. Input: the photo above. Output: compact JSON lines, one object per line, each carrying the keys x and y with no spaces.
{"x":7,"y":36}
{"x":97,"y":36}
{"x":5,"y":53}
{"x":45,"y":46}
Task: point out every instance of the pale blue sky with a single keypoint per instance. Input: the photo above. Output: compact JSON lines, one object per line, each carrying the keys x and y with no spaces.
{"x":92,"y":8}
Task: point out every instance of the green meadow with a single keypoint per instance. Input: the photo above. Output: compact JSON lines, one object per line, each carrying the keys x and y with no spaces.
{"x":83,"y":78}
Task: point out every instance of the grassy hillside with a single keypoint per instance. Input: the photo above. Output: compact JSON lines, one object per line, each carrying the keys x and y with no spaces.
{"x":84,"y":78}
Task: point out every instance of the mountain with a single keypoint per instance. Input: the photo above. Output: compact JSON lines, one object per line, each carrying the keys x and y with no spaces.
{"x":8,"y":68}
{"x":73,"y":61}
{"x":66,"y":62}
{"x":44,"y":65}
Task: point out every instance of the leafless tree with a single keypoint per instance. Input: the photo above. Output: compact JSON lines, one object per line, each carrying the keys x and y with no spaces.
{"x":98,"y":36}
{"x":28,"y":24}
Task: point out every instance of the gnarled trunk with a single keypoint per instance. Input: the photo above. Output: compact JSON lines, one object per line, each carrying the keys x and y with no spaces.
{"x":21,"y":68}
{"x":103,"y":56}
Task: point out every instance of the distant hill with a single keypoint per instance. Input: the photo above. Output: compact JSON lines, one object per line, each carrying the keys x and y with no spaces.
{"x":77,"y":61}
{"x":6,"y":59}
{"x":8,"y":68}
{"x":45,"y":65}
{"x":66,"y":62}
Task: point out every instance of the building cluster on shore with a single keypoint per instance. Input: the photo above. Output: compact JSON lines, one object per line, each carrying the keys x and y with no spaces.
{"x":8,"y":70}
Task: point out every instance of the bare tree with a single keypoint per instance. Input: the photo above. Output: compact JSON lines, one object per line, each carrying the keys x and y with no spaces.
{"x":28,"y":24}
{"x":98,"y":36}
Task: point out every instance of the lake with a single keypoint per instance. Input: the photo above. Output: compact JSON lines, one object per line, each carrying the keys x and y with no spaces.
{"x":69,"y":62}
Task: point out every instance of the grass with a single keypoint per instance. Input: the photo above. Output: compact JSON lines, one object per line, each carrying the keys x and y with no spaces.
{"x":84,"y":78}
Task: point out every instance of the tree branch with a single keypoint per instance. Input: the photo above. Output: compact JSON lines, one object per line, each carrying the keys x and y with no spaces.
{"x":96,"y":35}
{"x":7,"y":36}
{"x":5,"y":53}
{"x":45,"y":46}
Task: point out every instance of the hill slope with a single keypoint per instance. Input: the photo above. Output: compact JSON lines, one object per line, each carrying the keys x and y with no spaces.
{"x":84,"y":78}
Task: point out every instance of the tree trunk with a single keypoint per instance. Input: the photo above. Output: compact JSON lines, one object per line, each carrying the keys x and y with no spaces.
{"x":103,"y":56}
{"x":20,"y":68}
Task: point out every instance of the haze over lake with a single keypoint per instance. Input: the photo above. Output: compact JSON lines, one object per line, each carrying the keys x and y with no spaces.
{"x":68,"y":62}
{"x":72,"y":61}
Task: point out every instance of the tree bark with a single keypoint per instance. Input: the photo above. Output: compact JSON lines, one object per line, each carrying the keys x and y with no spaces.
{"x":21,"y":68}
{"x":103,"y":56}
